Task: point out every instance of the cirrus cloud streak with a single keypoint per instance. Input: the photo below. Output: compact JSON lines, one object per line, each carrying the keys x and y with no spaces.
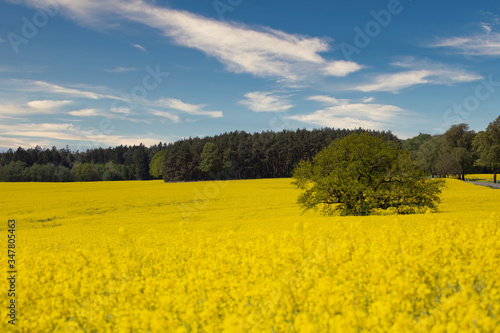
{"x":263,"y":51}
{"x":345,"y":113}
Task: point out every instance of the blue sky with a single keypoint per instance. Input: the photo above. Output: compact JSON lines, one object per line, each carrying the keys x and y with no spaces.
{"x":92,"y":73}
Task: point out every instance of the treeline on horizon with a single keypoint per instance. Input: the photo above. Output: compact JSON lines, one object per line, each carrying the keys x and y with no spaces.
{"x":241,"y":155}
{"x":238,"y":155}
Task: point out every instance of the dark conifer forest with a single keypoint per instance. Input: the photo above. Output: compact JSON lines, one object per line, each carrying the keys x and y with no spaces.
{"x":234,"y":155}
{"x":242,"y":155}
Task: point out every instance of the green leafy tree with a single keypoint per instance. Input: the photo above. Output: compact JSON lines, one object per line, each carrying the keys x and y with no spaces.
{"x":360,"y":173}
{"x":487,"y":146}
{"x":13,"y":172}
{"x":62,"y":174}
{"x":85,"y":172}
{"x":457,"y":156}
{"x":41,"y":173}
{"x":90,"y":173}
{"x":412,"y":145}
{"x":210,"y":159}
{"x":155,"y":167}
{"x":112,"y":171}
{"x":428,"y":155}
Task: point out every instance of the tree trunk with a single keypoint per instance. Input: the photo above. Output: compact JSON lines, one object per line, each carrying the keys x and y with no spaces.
{"x":494,"y":177}
{"x":463,"y":176}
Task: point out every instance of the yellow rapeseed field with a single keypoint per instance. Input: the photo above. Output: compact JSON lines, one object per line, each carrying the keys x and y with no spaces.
{"x":238,"y":256}
{"x":480,"y":177}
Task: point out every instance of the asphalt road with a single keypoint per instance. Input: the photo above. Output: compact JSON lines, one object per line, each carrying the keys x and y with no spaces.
{"x":497,"y":185}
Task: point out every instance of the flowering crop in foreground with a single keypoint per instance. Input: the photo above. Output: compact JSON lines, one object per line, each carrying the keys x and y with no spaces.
{"x":479,"y":177}
{"x":238,"y":256}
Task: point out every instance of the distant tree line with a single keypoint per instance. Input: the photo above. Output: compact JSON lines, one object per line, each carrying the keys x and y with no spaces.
{"x":234,"y":155}
{"x":63,"y":165}
{"x":242,"y":155}
{"x":458,"y":151}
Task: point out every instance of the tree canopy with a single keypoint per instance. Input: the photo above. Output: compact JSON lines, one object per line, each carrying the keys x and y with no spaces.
{"x":457,"y":156}
{"x":361,"y":173}
{"x":156,"y":164}
{"x":209,"y":159}
{"x":487,"y":146}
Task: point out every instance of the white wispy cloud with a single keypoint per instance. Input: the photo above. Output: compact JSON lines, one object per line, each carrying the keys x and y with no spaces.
{"x":345,"y":113}
{"x":31,"y":108}
{"x":486,"y":44}
{"x":48,"y":104}
{"x":419,"y":72}
{"x":147,"y":139}
{"x":328,"y":100}
{"x":262,"y":51}
{"x":192,"y":109}
{"x":342,"y":68}
{"x":24,"y":135}
{"x":490,"y":21}
{"x":168,"y":115}
{"x":262,"y":101}
{"x":120,"y":69}
{"x":56,"y":89}
{"x":89,"y":112}
{"x":7,"y":110}
{"x":396,"y":81}
{"x":14,"y":142}
{"x":123,"y":110}
{"x":116,"y":112}
{"x":323,"y":119}
{"x":55,"y":131}
{"x":140,"y":47}
{"x":52,"y":107}
{"x":486,"y":27}
{"x":2,"y":40}
{"x":266,"y":52}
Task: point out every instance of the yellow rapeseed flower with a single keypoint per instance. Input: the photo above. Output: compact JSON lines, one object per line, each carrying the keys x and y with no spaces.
{"x":239,"y":256}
